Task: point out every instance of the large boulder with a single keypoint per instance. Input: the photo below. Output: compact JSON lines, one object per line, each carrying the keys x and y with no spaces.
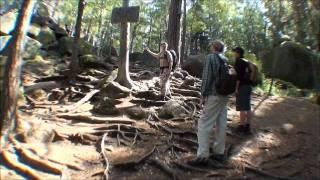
{"x":65,"y":46}
{"x":144,"y":58}
{"x":32,"y":47}
{"x":34,"y":30}
{"x":194,"y":65}
{"x":46,"y":37}
{"x":7,"y":22}
{"x":294,"y":63}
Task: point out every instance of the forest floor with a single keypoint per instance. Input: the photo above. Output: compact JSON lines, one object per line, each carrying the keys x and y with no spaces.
{"x":64,"y":140}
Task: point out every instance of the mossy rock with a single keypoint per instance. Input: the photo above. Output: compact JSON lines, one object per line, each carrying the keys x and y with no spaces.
{"x":34,"y":30}
{"x":65,"y":46}
{"x":137,"y":113}
{"x":32,"y":47}
{"x":46,"y":37}
{"x":8,"y":22}
{"x":294,"y":63}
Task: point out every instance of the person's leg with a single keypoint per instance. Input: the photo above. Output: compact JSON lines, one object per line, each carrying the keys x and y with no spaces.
{"x":162,"y":85}
{"x":220,"y":134}
{"x":243,"y":118}
{"x":205,"y":125}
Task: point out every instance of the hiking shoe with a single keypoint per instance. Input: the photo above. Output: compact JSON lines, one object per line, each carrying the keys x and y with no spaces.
{"x":198,"y":161}
{"x":218,"y":157}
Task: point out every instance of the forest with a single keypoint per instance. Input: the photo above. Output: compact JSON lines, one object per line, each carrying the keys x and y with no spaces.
{"x":139,"y":89}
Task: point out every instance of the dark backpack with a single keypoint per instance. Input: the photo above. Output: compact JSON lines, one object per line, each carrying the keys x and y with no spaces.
{"x":174,"y":59}
{"x":227,"y":80}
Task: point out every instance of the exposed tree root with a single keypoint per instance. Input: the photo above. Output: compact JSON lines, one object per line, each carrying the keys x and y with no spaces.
{"x":106,"y":171}
{"x":83,"y":100}
{"x":186,"y":92}
{"x":92,"y":119}
{"x":43,"y":85}
{"x":148,"y":103}
{"x":265,"y":174}
{"x":164,"y":168}
{"x":137,"y":161}
{"x":5,"y":156}
{"x":188,"y":167}
{"x":35,"y":161}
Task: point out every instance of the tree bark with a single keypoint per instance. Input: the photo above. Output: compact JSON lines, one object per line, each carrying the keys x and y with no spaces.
{"x":300,"y":17}
{"x":11,"y":81}
{"x":174,"y":30}
{"x":74,"y":65}
{"x":123,"y":77}
{"x":184,"y":32}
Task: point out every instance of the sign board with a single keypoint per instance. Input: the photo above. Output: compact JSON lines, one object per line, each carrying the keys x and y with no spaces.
{"x":125,"y":14}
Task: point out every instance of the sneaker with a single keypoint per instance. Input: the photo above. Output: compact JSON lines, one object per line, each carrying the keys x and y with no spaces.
{"x":199,"y":161}
{"x":218,"y":157}
{"x":247,"y":129}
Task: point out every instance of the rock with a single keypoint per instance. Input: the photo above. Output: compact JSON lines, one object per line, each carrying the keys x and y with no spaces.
{"x":105,"y":51}
{"x":293,"y":63}
{"x":38,"y":94}
{"x":286,"y":128}
{"x":178,"y":75}
{"x":115,"y":90}
{"x":93,"y":61}
{"x":112,"y":60}
{"x":65,"y":46}
{"x":189,"y":81}
{"x":151,"y":95}
{"x":34,"y":30}
{"x":106,"y":106}
{"x":46,"y":37}
{"x":32,"y":47}
{"x":8,"y":21}
{"x":137,"y":113}
{"x":43,"y":10}
{"x":144,"y":58}
{"x":173,"y":109}
{"x":194,"y":65}
{"x":146,"y":75}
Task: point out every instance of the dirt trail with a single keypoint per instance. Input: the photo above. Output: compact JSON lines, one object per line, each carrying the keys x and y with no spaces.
{"x":284,"y":143}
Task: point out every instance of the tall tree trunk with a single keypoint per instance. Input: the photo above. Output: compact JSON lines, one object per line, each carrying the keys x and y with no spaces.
{"x":174,"y":30}
{"x":300,"y":17}
{"x":11,"y":81}
{"x":74,"y":65}
{"x":123,"y":77}
{"x":184,"y":32}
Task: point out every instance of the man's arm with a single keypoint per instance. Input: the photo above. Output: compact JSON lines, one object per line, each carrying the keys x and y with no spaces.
{"x":156,"y":55}
{"x":206,"y":76}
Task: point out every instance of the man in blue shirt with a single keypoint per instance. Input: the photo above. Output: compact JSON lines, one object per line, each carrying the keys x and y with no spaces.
{"x":215,"y":108}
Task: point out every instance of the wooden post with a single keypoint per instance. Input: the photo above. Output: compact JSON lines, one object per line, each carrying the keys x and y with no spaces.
{"x":123,"y":16}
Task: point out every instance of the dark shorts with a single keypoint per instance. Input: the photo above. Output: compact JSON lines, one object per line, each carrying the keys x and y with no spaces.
{"x":243,"y":98}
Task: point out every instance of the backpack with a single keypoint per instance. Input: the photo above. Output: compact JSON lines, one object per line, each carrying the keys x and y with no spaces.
{"x":227,"y":80}
{"x":253,"y":73}
{"x":174,"y":59}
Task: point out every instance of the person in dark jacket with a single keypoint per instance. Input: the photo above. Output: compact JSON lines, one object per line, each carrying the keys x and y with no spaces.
{"x":243,"y":90}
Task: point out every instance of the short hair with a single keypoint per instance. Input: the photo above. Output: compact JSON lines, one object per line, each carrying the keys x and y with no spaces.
{"x":239,"y":50}
{"x":218,"y":45}
{"x":164,"y":43}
